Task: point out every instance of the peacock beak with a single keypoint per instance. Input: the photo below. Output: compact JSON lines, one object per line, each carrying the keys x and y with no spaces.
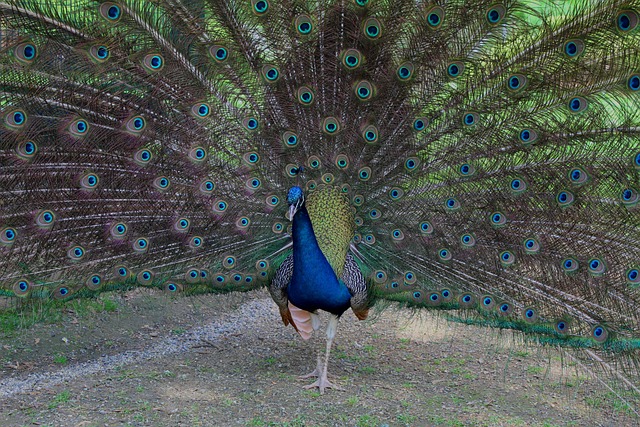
{"x":292,"y":211}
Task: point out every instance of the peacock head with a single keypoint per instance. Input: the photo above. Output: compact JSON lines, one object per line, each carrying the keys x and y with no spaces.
{"x":295,"y":199}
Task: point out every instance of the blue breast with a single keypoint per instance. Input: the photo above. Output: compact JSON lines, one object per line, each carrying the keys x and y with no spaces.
{"x":314,"y":285}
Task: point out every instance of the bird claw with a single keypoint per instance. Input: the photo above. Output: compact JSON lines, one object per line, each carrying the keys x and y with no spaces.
{"x":322,"y":384}
{"x":314,"y":374}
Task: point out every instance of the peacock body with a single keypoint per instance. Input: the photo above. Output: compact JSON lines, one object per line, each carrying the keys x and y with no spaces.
{"x":479,"y":158}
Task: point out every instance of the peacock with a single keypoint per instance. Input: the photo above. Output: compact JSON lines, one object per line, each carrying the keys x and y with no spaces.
{"x":479,"y":159}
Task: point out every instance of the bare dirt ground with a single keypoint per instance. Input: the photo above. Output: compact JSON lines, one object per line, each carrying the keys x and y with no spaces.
{"x":226,"y":360}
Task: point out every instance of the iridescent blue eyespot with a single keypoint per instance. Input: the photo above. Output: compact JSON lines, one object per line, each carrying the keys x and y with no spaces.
{"x":155,"y":62}
{"x":531,"y":246}
{"x":141,"y":245}
{"x":411,"y":163}
{"x":570,"y":265}
{"x":470,"y":119}
{"x":260,"y":6}
{"x":372,"y":28}
{"x":110,"y":11}
{"x":435,"y":16}
{"x":426,"y":228}
{"x":364,"y":173}
{"x":364,"y":90}
{"x":514,"y":82}
{"x":571,"y":49}
{"x":634,"y":83}
{"x":577,"y":104}
{"x":507,"y":258}
{"x":627,"y":20}
{"x":527,"y":136}
{"x":8,"y":236}
{"x":444,"y":254}
{"x":220,"y":278}
{"x":26,"y":150}
{"x":229,"y":262}
{"x":419,"y":124}
{"x":195,"y":242}
{"x":270,"y":73}
{"x":102,"y":52}
{"x":29,"y":51}
{"x":221,"y":54}
{"x":351,"y":58}
{"x":516,"y":184}
{"x":290,"y":139}
{"x":495,"y":14}
{"x":454,"y":70}
{"x":565,"y":198}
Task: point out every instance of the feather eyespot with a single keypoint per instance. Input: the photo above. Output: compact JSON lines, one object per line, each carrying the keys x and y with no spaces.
{"x":372,"y":28}
{"x":15,"y":119}
{"x":573,"y":48}
{"x":142,"y":157}
{"x":141,"y":245}
{"x":94,"y":282}
{"x":219,"y":53}
{"x":351,"y":59}
{"x":577,"y":104}
{"x":260,"y":7}
{"x":270,"y":73}
{"x":162,"y":183}
{"x":627,"y":20}
{"x":303,"y":24}
{"x":110,"y":11}
{"x":495,"y":14}
{"x":455,"y":69}
{"x":435,"y":17}
{"x":8,"y":236}
{"x":25,"y":53}
{"x":531,"y":246}
{"x":26,"y":150}
{"x":153,"y":62}
{"x":468,"y":241}
{"x":528,"y":136}
{"x":290,"y":139}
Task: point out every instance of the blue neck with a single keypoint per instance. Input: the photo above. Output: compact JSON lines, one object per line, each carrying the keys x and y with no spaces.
{"x":314,"y":284}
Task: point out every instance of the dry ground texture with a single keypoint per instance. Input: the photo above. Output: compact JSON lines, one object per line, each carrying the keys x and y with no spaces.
{"x":142,"y":359}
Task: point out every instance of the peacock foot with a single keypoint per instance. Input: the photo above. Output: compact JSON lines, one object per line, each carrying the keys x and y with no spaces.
{"x":314,"y":374}
{"x":322,"y":383}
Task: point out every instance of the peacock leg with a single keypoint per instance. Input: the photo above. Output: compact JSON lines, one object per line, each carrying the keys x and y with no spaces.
{"x":315,"y":322}
{"x":323,"y":382}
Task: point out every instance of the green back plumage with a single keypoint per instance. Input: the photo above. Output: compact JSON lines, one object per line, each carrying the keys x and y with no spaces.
{"x":333,"y":224}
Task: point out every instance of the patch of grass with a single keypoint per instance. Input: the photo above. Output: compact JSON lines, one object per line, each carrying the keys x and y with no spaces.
{"x":367,"y":421}
{"x":406,"y":419}
{"x":60,"y":359}
{"x":60,"y":398}
{"x":535,"y":369}
{"x":367,"y":370}
{"x":178,"y":331}
{"x":352,"y":401}
{"x":521,"y":353}
{"x":270,"y":360}
{"x":29,"y":312}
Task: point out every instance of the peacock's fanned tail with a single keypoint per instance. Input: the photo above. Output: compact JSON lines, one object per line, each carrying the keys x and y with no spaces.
{"x":490,"y":152}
